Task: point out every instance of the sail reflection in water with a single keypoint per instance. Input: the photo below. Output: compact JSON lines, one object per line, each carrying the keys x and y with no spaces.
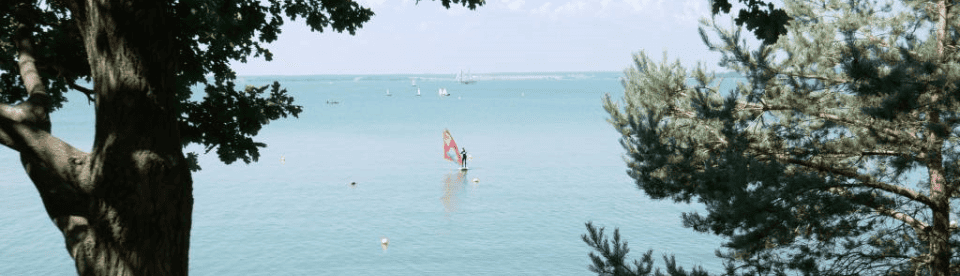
{"x":453,"y":183}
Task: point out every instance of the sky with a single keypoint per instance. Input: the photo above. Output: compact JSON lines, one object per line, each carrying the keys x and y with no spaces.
{"x":405,"y":37}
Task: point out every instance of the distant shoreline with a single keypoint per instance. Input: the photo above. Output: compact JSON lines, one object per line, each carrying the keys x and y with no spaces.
{"x":717,"y":74}
{"x":434,"y":74}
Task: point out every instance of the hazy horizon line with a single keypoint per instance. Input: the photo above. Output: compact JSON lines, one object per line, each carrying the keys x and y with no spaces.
{"x":471,"y":73}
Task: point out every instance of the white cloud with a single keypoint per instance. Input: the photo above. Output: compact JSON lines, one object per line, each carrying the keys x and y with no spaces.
{"x":543,"y":9}
{"x":636,"y":4}
{"x":568,"y":9}
{"x":571,"y":8}
{"x":513,"y":5}
{"x":604,"y":4}
{"x":429,"y":25}
{"x":692,"y":11}
{"x":639,"y":5}
{"x":372,"y":3}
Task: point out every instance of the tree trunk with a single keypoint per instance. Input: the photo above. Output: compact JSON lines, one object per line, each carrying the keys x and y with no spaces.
{"x":143,"y":190}
{"x":940,"y":190}
{"x":124,"y":208}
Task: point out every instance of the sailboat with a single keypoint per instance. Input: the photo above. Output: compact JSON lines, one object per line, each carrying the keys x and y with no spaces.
{"x":450,"y":150}
{"x":413,"y":82}
{"x":418,"y":91}
{"x":388,"y":93}
{"x":463,"y":79}
{"x":443,"y":92}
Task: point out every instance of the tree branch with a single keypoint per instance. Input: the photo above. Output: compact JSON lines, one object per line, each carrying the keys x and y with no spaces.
{"x":845,"y":154}
{"x":917,"y":225}
{"x":887,"y":131}
{"x":745,"y":106}
{"x":54,"y":167}
{"x":798,"y":75}
{"x":86,"y":91}
{"x":826,"y":116}
{"x":61,"y":201}
{"x":28,"y":69}
{"x":764,"y":107}
{"x":25,"y":127}
{"x":865,"y":180}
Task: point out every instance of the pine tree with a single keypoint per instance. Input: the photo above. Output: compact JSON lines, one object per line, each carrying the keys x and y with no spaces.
{"x":804,"y":166}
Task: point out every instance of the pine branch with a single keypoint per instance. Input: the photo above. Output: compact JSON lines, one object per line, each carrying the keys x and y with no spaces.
{"x":897,"y":135}
{"x":611,"y":261}
{"x":806,"y":76}
{"x":865,"y":180}
{"x":917,"y":225}
{"x":612,"y":258}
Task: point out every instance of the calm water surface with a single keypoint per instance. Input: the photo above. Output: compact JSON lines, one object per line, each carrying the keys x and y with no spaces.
{"x":546,"y":161}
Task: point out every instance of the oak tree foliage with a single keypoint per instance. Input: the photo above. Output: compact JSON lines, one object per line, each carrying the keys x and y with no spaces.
{"x":766,"y":21}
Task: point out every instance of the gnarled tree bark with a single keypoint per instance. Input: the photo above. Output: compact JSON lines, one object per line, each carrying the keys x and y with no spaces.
{"x":124,"y":208}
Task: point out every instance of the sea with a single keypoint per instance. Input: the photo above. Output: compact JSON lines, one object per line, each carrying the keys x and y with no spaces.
{"x":364,"y":164}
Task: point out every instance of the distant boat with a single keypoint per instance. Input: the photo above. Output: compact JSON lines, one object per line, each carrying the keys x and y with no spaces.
{"x":418,"y":91}
{"x":413,"y":82}
{"x":388,"y":93}
{"x":464,"y":80}
{"x":443,"y":92}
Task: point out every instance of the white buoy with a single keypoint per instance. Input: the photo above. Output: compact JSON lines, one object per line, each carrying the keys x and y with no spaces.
{"x":283,"y":160}
{"x":384,"y":242}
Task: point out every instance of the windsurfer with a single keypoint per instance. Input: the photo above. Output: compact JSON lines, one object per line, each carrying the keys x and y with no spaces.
{"x":463,"y":157}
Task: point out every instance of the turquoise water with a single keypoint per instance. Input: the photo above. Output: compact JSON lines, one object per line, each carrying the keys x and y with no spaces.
{"x":546,"y":161}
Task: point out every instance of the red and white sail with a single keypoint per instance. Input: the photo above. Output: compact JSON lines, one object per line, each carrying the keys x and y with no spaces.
{"x":450,"y":150}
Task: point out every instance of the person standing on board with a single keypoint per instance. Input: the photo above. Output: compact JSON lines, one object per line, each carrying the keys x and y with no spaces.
{"x":463,"y":158}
